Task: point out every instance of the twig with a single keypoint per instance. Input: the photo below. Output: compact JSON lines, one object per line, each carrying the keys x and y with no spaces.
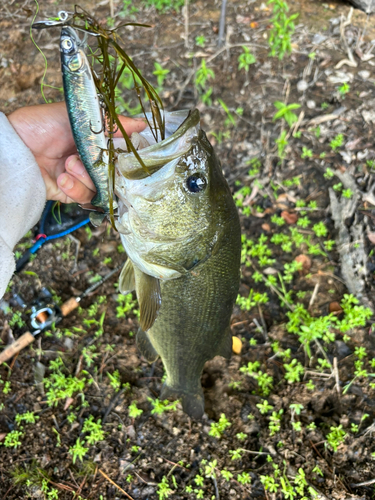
{"x":350,"y":61}
{"x":313,"y":296}
{"x":265,"y":333}
{"x":112,"y":404}
{"x":217,"y":496}
{"x":365,"y":483}
{"x":114,"y":484}
{"x":78,"y":246}
{"x":186,"y":15}
{"x":222,"y":23}
{"x":337,"y":378}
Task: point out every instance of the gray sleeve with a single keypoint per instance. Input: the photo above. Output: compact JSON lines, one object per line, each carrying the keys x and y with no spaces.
{"x":22,"y":196}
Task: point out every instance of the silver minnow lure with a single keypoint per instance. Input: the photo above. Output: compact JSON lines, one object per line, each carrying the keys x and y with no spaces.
{"x":85,"y":113}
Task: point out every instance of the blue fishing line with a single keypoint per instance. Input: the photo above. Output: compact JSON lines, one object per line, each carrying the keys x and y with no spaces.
{"x":43,"y":238}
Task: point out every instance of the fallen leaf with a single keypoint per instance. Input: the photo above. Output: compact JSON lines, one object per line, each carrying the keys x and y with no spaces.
{"x":305,"y":261}
{"x":266,"y":227}
{"x":290,"y":218}
{"x":282,"y":201}
{"x":335,"y":307}
{"x":270,"y":270}
{"x":2,"y":436}
{"x":242,"y":20}
{"x":371,"y":237}
{"x":236,"y":345}
{"x":68,"y":402}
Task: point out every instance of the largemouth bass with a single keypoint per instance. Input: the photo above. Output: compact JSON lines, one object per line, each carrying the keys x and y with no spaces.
{"x":181,"y":231}
{"x":85,"y":113}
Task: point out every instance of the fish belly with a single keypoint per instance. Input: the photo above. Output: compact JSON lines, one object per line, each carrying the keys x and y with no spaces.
{"x":193,"y":327}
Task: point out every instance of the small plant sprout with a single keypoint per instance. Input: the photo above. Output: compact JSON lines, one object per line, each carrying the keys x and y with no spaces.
{"x":343,"y":89}
{"x":200,"y":40}
{"x":114,"y":380}
{"x":244,"y":478}
{"x":264,"y":407}
{"x":159,"y":407}
{"x":275,"y":422}
{"x":306,"y":153}
{"x":245,"y":59}
{"x":134,"y":411}
{"x":164,"y":490}
{"x":236,"y":454}
{"x":94,"y":430}
{"x":78,"y":451}
{"x":285,"y":111}
{"x":282,"y":144}
{"x":218,"y":428}
{"x":337,"y":142}
{"x":241,"y":436}
{"x":13,"y":439}
{"x":294,"y":371}
{"x":227,"y":475}
{"x":202,"y":75}
{"x":28,"y":418}
{"x":336,"y":437}
{"x":160,"y":74}
{"x":296,"y":408}
{"x":280,"y":37}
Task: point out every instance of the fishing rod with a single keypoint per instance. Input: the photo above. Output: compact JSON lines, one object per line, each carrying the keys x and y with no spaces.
{"x":45,"y":313}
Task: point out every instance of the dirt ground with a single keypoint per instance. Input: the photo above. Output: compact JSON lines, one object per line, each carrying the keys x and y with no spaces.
{"x":299,"y":416}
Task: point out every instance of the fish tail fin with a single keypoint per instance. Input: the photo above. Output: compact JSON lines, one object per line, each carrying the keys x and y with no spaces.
{"x":192,"y":402}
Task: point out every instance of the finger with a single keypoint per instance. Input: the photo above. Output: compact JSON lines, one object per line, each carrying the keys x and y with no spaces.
{"x":75,"y":167}
{"x":74,"y":189}
{"x":131,"y":125}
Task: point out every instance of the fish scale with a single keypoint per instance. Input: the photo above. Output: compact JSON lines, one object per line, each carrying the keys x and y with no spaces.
{"x":181,"y":231}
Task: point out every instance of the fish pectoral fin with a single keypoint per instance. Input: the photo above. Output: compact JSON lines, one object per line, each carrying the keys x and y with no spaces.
{"x":168,"y":268}
{"x":192,"y":402}
{"x":127,"y":279}
{"x":146,"y":348}
{"x":225,"y":348}
{"x":149,"y":298}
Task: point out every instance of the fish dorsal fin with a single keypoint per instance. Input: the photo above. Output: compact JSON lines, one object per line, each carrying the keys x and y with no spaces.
{"x":127,"y":279}
{"x":149,"y":298}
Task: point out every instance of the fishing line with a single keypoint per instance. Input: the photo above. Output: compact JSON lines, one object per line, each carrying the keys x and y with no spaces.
{"x":42,"y":84}
{"x":42,"y":238}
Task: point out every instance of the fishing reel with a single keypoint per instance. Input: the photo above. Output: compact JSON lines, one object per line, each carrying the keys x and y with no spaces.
{"x":44,"y":311}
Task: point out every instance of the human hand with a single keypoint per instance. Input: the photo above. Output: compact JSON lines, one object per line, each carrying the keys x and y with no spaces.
{"x":45,"y":129}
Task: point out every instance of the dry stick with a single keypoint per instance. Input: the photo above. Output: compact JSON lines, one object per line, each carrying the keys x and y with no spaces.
{"x":78,"y":246}
{"x":314,"y":294}
{"x":222,"y":23}
{"x":217,"y":496}
{"x":337,"y":378}
{"x":265,"y":333}
{"x":365,"y":483}
{"x":111,"y":8}
{"x":112,"y":404}
{"x":187,"y":24}
{"x":350,"y":61}
{"x":114,"y":484}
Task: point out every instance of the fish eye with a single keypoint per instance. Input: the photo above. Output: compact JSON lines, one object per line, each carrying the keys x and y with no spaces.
{"x":196,"y":183}
{"x":67,"y":45}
